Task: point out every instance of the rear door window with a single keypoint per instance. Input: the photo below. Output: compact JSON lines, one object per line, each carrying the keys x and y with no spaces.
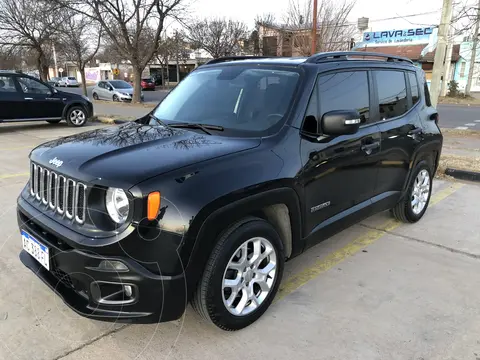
{"x":413,"y":87}
{"x":392,"y":93}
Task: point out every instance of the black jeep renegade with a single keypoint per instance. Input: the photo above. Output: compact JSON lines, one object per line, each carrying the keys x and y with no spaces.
{"x":245,"y":164}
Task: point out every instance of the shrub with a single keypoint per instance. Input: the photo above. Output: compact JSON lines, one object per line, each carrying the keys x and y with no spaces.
{"x":453,"y":89}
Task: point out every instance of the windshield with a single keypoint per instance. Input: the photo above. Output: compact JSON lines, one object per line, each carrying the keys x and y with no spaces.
{"x":234,"y":97}
{"x":120,"y":84}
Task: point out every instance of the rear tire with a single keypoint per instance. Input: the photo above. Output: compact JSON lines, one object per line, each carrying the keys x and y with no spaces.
{"x":53,"y":121}
{"x":233,"y":298}
{"x":76,"y":116}
{"x":415,"y":203}
{"x":95,"y":96}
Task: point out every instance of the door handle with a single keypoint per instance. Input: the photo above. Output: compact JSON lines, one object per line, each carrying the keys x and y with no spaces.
{"x":415,"y":131}
{"x":28,"y":98}
{"x":368,"y":148}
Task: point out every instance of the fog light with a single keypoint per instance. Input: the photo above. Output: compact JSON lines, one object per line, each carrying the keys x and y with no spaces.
{"x":112,"y":265}
{"x":128,"y":290}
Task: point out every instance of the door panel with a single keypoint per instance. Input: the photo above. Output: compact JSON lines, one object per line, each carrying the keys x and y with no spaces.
{"x":400,"y":127}
{"x":39,"y":100}
{"x":339,"y":172}
{"x":11,"y":100}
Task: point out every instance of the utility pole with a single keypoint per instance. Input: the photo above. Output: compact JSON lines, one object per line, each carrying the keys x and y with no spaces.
{"x":474,"y":53}
{"x":438,"y":62}
{"x":448,"y":63}
{"x":314,"y":28}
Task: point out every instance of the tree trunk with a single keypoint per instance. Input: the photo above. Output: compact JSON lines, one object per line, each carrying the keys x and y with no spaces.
{"x":471,"y":69}
{"x":84,"y":81}
{"x":137,"y":86}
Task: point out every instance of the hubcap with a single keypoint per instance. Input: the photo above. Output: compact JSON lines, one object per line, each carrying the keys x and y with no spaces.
{"x":421,"y":191}
{"x":77,"y":117}
{"x":249,"y":276}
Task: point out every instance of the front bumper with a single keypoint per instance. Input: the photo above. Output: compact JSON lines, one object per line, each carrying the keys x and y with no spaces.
{"x":128,"y":98}
{"x":74,"y":276}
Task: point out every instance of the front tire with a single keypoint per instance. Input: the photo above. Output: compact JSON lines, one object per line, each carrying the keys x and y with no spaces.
{"x":242,"y":275}
{"x":76,"y":116}
{"x":115,"y":98}
{"x":414,"y":205}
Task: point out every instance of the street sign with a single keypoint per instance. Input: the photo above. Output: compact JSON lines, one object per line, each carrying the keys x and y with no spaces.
{"x":116,"y":72}
{"x":60,"y":70}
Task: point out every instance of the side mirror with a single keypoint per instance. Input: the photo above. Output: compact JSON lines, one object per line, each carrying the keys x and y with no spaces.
{"x":341,"y":122}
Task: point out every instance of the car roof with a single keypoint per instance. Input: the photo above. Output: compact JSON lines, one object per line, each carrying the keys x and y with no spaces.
{"x":349,"y":58}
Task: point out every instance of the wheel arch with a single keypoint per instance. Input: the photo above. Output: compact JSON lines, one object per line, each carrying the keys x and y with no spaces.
{"x":280,"y":207}
{"x":70,"y":105}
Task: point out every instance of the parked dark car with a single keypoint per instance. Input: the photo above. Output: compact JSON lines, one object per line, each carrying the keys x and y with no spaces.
{"x":25,"y":98}
{"x":244,"y":165}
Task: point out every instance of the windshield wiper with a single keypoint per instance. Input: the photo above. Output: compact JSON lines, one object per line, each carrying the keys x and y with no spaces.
{"x":203,"y":127}
{"x":158,"y":120}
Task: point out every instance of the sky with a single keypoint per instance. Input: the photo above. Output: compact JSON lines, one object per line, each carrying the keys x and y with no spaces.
{"x":246,"y":10}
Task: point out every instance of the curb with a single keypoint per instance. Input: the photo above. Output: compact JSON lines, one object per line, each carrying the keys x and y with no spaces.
{"x":463,"y":174}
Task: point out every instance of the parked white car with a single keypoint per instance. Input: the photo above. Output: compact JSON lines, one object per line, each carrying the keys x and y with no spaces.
{"x":68,"y":81}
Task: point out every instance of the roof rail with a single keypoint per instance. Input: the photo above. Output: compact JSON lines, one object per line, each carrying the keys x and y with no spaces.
{"x":234,"y":58}
{"x":343,"y":55}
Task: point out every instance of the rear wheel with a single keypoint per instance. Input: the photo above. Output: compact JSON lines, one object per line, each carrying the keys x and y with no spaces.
{"x":53,"y":121}
{"x":76,"y":116}
{"x":95,"y":96}
{"x":242,"y":275}
{"x":414,"y":205}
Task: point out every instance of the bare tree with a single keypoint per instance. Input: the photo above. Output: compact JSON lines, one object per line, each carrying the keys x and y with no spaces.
{"x":133,"y":27}
{"x":30,"y":25}
{"x":334,"y":32}
{"x":219,"y":37}
{"x":79,"y":40}
{"x":173,"y":48}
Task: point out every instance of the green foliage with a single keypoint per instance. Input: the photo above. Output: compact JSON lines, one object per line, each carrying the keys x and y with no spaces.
{"x":453,"y":89}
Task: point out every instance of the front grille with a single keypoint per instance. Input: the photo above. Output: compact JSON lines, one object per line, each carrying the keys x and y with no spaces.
{"x":63,"y":195}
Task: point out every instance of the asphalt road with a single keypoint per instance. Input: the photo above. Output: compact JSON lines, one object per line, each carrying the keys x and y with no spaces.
{"x":150,"y":96}
{"x":451,"y":116}
{"x":459,"y":116}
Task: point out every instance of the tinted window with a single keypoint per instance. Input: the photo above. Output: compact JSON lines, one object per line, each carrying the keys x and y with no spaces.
{"x":71,"y":78}
{"x":392,"y":94}
{"x":413,"y":87}
{"x":120,"y":84}
{"x":30,"y":86}
{"x":7,"y":84}
{"x":235,"y":97}
{"x":345,"y":91}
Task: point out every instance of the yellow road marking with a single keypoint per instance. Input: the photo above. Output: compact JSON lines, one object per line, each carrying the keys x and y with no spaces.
{"x":13,"y":175}
{"x":298,"y":280}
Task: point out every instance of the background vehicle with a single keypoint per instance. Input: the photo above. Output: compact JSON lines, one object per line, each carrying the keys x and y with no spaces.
{"x":25,"y":98}
{"x":148,"y":84}
{"x":114,"y":90}
{"x":54,"y":81}
{"x":68,"y":81}
{"x":245,"y":164}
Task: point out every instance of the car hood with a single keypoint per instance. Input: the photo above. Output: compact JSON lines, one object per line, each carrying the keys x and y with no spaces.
{"x":125,"y":155}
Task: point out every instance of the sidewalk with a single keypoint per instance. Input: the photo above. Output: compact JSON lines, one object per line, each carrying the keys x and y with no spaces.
{"x":461,"y":150}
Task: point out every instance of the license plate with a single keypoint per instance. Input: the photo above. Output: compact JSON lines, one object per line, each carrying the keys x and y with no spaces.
{"x":35,"y":248}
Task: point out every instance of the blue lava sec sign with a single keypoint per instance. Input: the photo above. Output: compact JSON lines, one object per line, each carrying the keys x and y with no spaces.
{"x":415,"y":35}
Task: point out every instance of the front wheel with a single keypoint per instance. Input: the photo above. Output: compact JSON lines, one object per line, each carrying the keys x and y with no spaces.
{"x":115,"y":98}
{"x":76,"y":116}
{"x":242,"y":275}
{"x":414,"y":205}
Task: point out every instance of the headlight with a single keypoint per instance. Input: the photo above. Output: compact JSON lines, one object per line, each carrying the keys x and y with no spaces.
{"x":125,"y":94}
{"x":117,"y":205}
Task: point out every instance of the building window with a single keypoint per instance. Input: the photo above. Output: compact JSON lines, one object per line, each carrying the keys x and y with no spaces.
{"x":462,"y":69}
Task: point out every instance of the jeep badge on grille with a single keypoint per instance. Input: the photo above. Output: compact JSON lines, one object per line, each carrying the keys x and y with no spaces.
{"x":56,"y":162}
